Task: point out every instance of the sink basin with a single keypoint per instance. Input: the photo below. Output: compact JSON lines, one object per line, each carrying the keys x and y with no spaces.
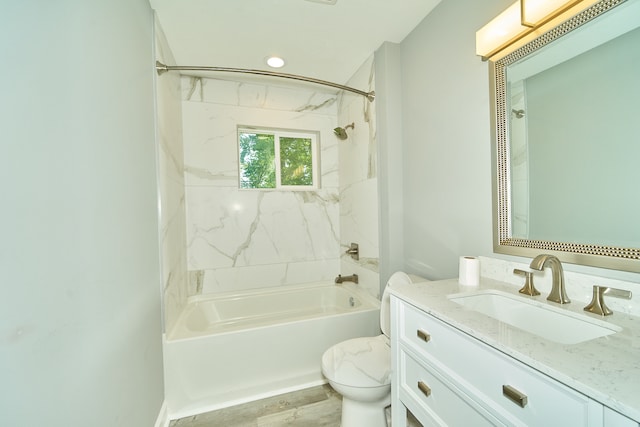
{"x":561,"y":326}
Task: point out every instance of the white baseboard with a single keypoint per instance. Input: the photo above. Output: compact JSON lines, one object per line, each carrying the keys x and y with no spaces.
{"x":163,"y":417}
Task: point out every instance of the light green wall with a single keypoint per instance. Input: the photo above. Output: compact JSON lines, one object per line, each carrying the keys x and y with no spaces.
{"x":80,"y":337}
{"x":447,"y":174}
{"x":389,"y":141}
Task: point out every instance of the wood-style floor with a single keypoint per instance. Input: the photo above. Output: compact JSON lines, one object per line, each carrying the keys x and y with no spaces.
{"x":313,"y":407}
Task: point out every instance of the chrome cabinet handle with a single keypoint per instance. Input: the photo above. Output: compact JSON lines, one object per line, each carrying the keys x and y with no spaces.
{"x":423,"y":335}
{"x":424,"y":388}
{"x":514,"y":395}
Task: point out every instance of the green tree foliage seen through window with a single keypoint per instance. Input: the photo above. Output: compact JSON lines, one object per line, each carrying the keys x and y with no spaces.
{"x":257,"y":160}
{"x":296,"y":164}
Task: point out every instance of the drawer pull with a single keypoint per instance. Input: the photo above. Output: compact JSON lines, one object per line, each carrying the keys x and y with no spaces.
{"x":424,"y":388}
{"x":424,"y":336}
{"x":514,"y":395}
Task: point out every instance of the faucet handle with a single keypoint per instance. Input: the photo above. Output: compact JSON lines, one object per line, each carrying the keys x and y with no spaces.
{"x":528,"y":288}
{"x":354,"y":251}
{"x":597,"y":305}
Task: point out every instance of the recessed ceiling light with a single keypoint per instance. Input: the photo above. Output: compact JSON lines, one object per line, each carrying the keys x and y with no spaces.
{"x":324,"y":1}
{"x":275,"y":62}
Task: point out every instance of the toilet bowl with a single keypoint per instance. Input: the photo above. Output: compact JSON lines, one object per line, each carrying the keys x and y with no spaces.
{"x":360,"y":370}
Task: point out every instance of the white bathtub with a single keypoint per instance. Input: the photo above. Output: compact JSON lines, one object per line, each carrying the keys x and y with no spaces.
{"x":233,"y":348}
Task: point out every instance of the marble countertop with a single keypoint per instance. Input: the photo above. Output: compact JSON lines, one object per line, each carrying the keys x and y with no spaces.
{"x":607,"y":369}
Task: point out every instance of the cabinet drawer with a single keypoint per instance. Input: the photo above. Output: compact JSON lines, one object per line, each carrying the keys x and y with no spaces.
{"x":431,"y":338}
{"x":494,"y":379}
{"x":434,"y":401}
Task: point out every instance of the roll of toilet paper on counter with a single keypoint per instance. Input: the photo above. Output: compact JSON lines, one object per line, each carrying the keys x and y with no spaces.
{"x":469,"y":271}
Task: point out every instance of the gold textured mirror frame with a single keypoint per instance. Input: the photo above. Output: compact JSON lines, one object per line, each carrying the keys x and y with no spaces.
{"x":611,"y":257}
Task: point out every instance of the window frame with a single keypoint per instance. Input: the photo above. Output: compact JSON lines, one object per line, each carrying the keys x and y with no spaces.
{"x":278,"y":133}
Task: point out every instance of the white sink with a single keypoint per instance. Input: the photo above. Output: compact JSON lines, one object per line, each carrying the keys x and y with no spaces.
{"x":548,"y":322}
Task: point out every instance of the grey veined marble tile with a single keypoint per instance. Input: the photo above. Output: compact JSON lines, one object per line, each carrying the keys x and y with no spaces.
{"x":320,"y":414}
{"x":249,"y":414}
{"x":313,"y":407}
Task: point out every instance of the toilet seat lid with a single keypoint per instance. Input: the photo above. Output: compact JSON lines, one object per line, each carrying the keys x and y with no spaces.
{"x":359,"y":362}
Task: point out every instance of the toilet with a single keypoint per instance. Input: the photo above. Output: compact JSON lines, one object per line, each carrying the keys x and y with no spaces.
{"x":360,"y":369}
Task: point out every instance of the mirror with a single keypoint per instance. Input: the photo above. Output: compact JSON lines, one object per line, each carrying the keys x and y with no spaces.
{"x":566,"y":124}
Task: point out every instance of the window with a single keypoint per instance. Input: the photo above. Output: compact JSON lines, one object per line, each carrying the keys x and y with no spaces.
{"x":275,"y":159}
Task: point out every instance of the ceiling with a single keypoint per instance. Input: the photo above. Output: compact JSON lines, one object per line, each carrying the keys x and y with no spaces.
{"x":322,"y":41}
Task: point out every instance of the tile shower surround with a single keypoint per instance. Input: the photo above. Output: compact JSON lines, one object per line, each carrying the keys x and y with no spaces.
{"x":244,"y":239}
{"x":216,"y":238}
{"x":359,"y":181}
{"x":171,"y":186}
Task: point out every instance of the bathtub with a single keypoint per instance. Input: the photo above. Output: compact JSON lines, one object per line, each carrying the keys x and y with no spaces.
{"x":233,"y":348}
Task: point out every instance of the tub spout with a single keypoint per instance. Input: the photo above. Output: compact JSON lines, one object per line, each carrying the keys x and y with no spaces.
{"x":353,"y":278}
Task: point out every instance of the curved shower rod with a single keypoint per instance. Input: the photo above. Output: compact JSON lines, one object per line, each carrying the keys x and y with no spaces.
{"x":162,"y":68}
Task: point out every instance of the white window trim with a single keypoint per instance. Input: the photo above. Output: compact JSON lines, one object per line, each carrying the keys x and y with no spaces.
{"x":286,"y":133}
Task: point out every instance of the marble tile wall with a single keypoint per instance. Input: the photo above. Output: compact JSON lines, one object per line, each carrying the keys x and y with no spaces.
{"x":359,"y":181}
{"x":247,"y":239}
{"x":171,"y":185}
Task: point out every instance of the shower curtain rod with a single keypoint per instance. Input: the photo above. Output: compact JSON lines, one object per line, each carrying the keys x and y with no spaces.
{"x":162,"y":68}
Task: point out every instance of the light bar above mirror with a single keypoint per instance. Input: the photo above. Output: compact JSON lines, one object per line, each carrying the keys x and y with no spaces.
{"x":519,"y":20}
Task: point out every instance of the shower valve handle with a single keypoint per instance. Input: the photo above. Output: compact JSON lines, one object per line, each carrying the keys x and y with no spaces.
{"x":354,"y":251}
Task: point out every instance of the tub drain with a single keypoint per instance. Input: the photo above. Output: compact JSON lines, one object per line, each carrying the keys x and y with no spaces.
{"x":352,"y":302}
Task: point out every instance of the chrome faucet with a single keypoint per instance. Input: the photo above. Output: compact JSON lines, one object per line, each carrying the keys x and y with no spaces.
{"x":558,"y":293}
{"x":353,"y":278}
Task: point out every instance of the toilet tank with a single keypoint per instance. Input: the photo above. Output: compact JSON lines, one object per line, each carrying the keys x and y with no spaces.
{"x":396,"y":278}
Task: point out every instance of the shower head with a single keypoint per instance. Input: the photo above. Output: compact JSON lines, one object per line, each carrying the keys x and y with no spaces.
{"x":518,"y":113}
{"x":342,"y":132}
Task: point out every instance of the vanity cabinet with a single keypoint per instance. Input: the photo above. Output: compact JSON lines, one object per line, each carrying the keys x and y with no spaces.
{"x":446,"y":377}
{"x":615,"y":419}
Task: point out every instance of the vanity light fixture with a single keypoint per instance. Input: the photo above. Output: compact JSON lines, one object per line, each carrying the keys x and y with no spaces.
{"x":518,"y":20}
{"x":536,"y":12}
{"x":275,"y":62}
{"x":500,"y":32}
